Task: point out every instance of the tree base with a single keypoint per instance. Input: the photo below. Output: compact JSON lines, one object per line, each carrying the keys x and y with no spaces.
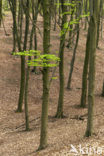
{"x":102,"y":94}
{"x":98,"y":48}
{"x":89,"y":134}
{"x":27,"y":129}
{"x":69,"y":46}
{"x":82,"y":106}
{"x":69,"y":88}
{"x":60,"y":115}
{"x":18,"y":111}
{"x":41,"y":147}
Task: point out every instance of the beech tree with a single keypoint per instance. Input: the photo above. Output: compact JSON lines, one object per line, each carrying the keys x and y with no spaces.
{"x":94,"y":10}
{"x":13,"y":7}
{"x":77,"y":29}
{"x":99,"y":23}
{"x":0,"y":11}
{"x":59,"y":113}
{"x":85,"y":72}
{"x":46,"y":50}
{"x":26,"y":12}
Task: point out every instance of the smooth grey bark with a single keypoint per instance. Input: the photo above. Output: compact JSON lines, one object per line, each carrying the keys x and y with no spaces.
{"x":73,"y":60}
{"x":92,"y":55}
{"x":59,"y":113}
{"x":0,"y":12}
{"x":22,"y":83}
{"x":13,"y":7}
{"x":85,"y":72}
{"x":46,"y":49}
{"x":103,"y":90}
{"x":28,"y":68}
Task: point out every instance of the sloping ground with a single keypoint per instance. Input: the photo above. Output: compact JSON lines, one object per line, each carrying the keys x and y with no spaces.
{"x":14,"y":141}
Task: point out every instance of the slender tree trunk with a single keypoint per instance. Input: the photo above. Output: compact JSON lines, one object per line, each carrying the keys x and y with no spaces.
{"x":22,"y":84}
{"x":59,"y":19}
{"x":75,"y":47}
{"x":20,"y":19}
{"x":85,"y":72}
{"x":13,"y":7}
{"x":73,"y":60}
{"x":69,"y":45}
{"x":98,"y":31}
{"x":35,"y":16}
{"x":59,"y":113}
{"x":55,"y":15}
{"x":46,"y":49}
{"x":26,"y":100}
{"x":91,"y":86}
{"x":86,"y":10}
{"x":0,"y":12}
{"x":103,"y":89}
{"x":98,"y":25}
{"x":28,"y":68}
{"x":102,"y":2}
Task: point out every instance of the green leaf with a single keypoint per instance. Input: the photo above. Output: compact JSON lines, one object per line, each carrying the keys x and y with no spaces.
{"x":66,"y":25}
{"x":54,"y":78}
{"x":41,"y":60}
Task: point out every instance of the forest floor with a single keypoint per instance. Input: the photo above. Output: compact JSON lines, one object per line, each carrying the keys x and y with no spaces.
{"x":62,"y":133}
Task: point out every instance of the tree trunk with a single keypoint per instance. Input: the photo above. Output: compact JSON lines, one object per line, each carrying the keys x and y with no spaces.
{"x":26,"y":100}
{"x":59,"y":113}
{"x":0,"y":12}
{"x":92,"y":55}
{"x":69,"y":45}
{"x":13,"y":7}
{"x":103,"y":89}
{"x":22,"y":84}
{"x":35,"y":16}
{"x":73,"y":60}
{"x":85,"y":72}
{"x":46,"y":49}
{"x":28,"y":68}
{"x":98,"y":25}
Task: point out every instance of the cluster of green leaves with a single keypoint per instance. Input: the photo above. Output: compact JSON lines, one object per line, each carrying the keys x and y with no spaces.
{"x":28,"y":53}
{"x":85,"y":15}
{"x":5,"y":5}
{"x":41,"y":60}
{"x":73,"y":9}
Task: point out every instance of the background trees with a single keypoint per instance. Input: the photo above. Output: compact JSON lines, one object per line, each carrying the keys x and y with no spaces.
{"x":70,"y":19}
